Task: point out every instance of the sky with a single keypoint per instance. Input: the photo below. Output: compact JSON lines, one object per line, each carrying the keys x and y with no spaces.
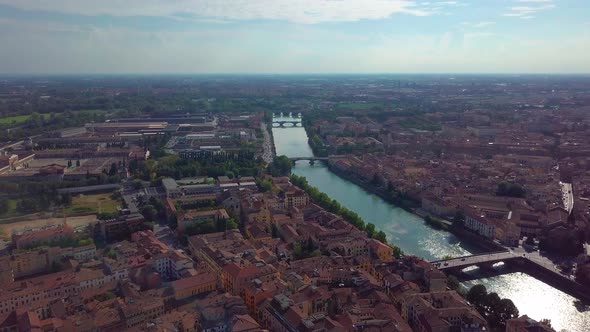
{"x":294,"y":36}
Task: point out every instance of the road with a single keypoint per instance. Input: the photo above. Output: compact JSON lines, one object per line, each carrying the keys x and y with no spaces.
{"x":567,"y":196}
{"x":267,"y":154}
{"x":474,"y":260}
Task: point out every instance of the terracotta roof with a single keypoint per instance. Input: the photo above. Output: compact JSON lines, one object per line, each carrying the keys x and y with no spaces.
{"x":200,"y":279}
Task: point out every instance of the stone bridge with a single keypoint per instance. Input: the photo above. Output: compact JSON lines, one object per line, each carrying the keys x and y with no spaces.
{"x":535,"y":266}
{"x":282,"y":123}
{"x":481,"y":260}
{"x":312,"y":160}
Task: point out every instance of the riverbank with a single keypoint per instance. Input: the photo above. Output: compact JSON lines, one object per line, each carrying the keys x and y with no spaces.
{"x":408,"y":231}
{"x":269,"y":150}
{"x":473,"y":239}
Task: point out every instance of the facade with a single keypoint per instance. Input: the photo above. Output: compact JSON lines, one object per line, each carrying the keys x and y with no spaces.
{"x":441,"y":312}
{"x":35,"y":238}
{"x":480,"y":225}
{"x":192,"y":286}
{"x":190,"y":218}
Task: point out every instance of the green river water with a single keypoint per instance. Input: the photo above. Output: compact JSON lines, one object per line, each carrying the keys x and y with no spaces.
{"x":409,"y":232}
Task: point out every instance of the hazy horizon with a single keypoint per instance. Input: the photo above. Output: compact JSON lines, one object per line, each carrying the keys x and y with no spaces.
{"x":286,"y":74}
{"x":237,"y":37}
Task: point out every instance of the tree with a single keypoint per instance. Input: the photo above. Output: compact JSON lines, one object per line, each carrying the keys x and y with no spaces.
{"x":390,"y":187}
{"x":510,"y":190}
{"x":477,"y":294}
{"x":370,"y":229}
{"x":149,"y":212}
{"x":106,"y":216}
{"x":274,"y":231}
{"x":264,"y":185}
{"x":453,"y":282}
{"x":137,"y":184}
{"x":459,"y":219}
{"x":310,"y":246}
{"x":491,"y":302}
{"x":27,"y":205}
{"x":113,"y":170}
{"x":280,"y":166}
{"x":494,"y":309}
{"x":502,"y":311}
{"x":397,"y":252}
{"x":112,"y":254}
{"x":546,"y":322}
{"x":66,"y":199}
{"x":376,"y":181}
{"x":3,"y":206}
{"x":78,"y":163}
{"x":381,"y":236}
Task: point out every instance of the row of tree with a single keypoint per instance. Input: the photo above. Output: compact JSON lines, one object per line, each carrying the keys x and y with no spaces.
{"x":333,"y":206}
{"x":175,"y":167}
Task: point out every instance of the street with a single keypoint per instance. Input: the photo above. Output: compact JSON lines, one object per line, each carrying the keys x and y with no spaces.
{"x":267,"y":154}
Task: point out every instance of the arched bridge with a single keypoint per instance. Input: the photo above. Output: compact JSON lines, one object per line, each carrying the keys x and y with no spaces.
{"x":532,"y":264}
{"x":282,"y":123}
{"x":311,"y":159}
{"x":487,"y":259}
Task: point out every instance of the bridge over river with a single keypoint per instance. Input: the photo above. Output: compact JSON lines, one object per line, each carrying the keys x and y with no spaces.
{"x":282,"y":123}
{"x":532,"y":264}
{"x":311,"y":159}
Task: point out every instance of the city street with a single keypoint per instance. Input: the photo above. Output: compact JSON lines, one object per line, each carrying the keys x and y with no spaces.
{"x":267,"y":155}
{"x":567,"y":196}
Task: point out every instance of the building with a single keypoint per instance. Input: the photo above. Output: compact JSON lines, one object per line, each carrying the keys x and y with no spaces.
{"x":192,"y":286}
{"x":171,"y":188}
{"x":479,"y":224}
{"x":120,"y":228}
{"x":380,"y":250}
{"x":194,"y":217}
{"x":437,"y":206}
{"x":526,"y":324}
{"x":30,"y":239}
{"x":441,"y":311}
{"x":27,"y":263}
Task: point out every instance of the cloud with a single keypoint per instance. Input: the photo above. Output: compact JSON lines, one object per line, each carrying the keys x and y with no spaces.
{"x":297,"y":11}
{"x":536,"y":1}
{"x":527,"y":12}
{"x":22,"y":25}
{"x":478,"y":34}
{"x":483,"y":24}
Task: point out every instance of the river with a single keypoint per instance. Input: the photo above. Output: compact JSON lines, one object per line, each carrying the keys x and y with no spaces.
{"x":409,"y":232}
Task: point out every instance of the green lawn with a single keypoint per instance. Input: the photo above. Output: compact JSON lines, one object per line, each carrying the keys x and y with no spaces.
{"x":18,"y":119}
{"x":91,"y":203}
{"x":14,"y":119}
{"x":11,"y":211}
